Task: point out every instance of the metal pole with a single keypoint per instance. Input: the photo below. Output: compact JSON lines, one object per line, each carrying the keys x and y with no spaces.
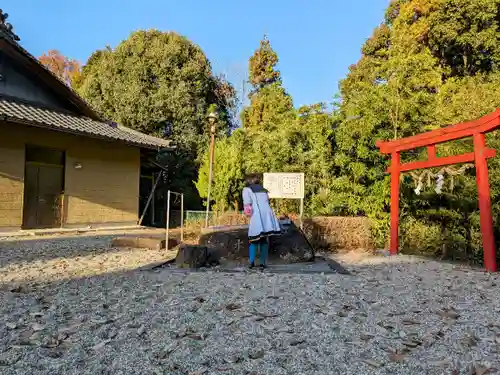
{"x":182,"y":217}
{"x":168,"y":220}
{"x":62,"y":197}
{"x":302,"y":213}
{"x":153,"y":201}
{"x":210,"y":175}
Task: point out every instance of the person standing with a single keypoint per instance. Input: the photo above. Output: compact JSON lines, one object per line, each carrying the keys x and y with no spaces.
{"x":263,"y":221}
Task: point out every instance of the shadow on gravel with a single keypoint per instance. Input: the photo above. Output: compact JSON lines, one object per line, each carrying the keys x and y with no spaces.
{"x":67,"y":247}
{"x":125,"y":279}
{"x":319,"y":266}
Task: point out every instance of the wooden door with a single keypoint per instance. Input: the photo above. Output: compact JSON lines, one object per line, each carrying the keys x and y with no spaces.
{"x":43,"y":196}
{"x":30,"y":196}
{"x":43,"y":189}
{"x":50,"y":183}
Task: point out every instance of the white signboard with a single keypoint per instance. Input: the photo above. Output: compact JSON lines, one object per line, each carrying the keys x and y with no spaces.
{"x":284,"y":185}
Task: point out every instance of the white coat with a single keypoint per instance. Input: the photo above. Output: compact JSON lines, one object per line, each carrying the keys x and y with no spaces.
{"x":263,"y":222}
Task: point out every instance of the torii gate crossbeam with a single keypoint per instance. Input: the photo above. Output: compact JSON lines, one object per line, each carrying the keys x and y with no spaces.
{"x":475,"y":129}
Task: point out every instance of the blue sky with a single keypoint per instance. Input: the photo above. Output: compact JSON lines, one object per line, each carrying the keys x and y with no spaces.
{"x":316,"y":40}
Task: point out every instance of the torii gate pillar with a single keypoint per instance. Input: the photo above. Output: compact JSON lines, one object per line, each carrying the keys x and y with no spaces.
{"x":483,"y":191}
{"x":395,"y":173}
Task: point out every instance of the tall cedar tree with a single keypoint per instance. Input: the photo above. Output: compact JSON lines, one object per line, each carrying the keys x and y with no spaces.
{"x":274,"y":138}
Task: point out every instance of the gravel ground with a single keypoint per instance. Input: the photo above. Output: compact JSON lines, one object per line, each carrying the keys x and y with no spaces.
{"x":56,"y":258}
{"x":91,"y":314}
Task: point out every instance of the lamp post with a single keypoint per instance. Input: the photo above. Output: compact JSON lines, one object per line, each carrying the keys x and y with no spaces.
{"x":212,"y":120}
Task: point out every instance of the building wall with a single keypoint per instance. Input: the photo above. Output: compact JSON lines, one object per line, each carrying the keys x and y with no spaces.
{"x":11,"y":183}
{"x":104,"y":191}
{"x":20,"y":85}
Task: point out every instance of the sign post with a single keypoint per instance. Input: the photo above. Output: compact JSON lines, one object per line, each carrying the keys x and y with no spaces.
{"x":286,"y":186}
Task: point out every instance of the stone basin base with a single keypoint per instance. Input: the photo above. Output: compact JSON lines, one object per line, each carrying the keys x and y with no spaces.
{"x":143,"y":242}
{"x":231,"y":242}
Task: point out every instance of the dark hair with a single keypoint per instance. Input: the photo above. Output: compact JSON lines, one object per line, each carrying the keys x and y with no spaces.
{"x":252,"y":179}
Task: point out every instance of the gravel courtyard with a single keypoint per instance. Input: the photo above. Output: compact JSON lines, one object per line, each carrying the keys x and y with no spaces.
{"x":74,"y":306}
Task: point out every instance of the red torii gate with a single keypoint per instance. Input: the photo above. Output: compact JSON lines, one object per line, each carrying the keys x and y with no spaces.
{"x":475,"y":129}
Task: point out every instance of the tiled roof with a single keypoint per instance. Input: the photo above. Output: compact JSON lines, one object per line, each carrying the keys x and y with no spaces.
{"x":47,"y":118}
{"x":6,"y":27}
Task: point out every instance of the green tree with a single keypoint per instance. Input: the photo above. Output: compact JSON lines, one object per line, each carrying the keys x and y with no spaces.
{"x":462,"y":34}
{"x":262,"y":65}
{"x":275,"y":137}
{"x":267,"y":117}
{"x":270,"y":105}
{"x":393,"y":98}
{"x":431,"y":63}
{"x":162,"y":84}
{"x":311,"y":140}
{"x":228,"y":173}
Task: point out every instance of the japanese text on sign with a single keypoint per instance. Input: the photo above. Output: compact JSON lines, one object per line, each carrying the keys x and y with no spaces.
{"x":284,"y":185}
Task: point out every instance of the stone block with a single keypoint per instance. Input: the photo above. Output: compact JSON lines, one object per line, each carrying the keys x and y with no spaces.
{"x":143,"y":242}
{"x":192,"y":256}
{"x":231,"y":242}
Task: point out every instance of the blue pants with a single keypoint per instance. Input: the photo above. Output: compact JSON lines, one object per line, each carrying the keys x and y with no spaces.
{"x":264,"y":248}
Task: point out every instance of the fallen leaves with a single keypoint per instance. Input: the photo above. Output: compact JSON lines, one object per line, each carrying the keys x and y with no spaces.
{"x":386,"y":326}
{"x":37,"y":327}
{"x":440,"y":363}
{"x":233,"y":306}
{"x":53,"y":353}
{"x":481,"y":370}
{"x":372,"y":362}
{"x":166,"y":351}
{"x":396,"y":357}
{"x":51,"y":342}
{"x":100,"y":345}
{"x":101,"y":321}
{"x":191,"y":334}
{"x":70,"y":330}
{"x":262,"y":316}
{"x":141,"y":330}
{"x":195,"y":336}
{"x":296,"y":342}
{"x":470,"y":340}
{"x":9,"y":358}
{"x":233,"y":359}
{"x":19,"y":289}
{"x":25,"y":335}
{"x":366,"y":337}
{"x":256,"y":353}
{"x":448,"y":314}
{"x":413,"y":343}
{"x":409,"y":322}
{"x":201,"y":372}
